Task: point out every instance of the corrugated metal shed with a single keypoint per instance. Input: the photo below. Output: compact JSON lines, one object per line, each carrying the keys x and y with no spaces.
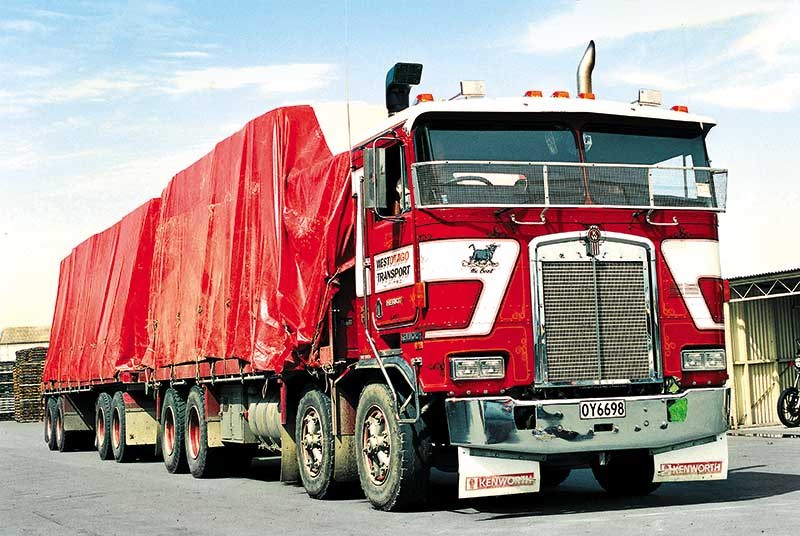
{"x":762,"y":326}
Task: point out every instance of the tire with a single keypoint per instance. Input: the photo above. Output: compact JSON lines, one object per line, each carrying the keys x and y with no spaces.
{"x":50,"y":423}
{"x":173,"y":421}
{"x":626,"y":474}
{"x":393,"y":458}
{"x":315,"y":444}
{"x":102,"y":426}
{"x":123,"y":453}
{"x":64,"y":440}
{"x":553,"y":475}
{"x":789,"y":407}
{"x":202,"y":460}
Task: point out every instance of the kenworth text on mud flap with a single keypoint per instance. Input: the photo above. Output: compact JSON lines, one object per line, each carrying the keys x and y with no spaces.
{"x":510,"y":288}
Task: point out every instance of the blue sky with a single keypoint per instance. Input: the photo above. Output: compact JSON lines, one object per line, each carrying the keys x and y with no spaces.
{"x":102,"y":102}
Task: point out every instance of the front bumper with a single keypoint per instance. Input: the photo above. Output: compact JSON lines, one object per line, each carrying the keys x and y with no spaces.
{"x":489,"y":424}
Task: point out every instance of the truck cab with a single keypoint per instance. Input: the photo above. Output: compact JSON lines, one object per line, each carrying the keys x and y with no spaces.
{"x":538,"y":278}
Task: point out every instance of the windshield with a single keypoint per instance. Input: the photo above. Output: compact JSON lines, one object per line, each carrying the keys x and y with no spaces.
{"x":506,"y":143}
{"x":502,"y":161}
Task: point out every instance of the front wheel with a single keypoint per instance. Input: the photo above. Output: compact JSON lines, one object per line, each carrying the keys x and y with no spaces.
{"x":315,"y":444}
{"x":789,"y":407}
{"x":393,"y":458}
{"x":626,"y":474}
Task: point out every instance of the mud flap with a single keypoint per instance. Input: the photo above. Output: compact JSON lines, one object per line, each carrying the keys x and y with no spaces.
{"x":482,"y":476}
{"x":708,"y":461}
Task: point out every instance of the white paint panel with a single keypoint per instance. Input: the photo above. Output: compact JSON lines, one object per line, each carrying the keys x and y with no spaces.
{"x":689,"y":260}
{"x":703,"y":462}
{"x":479,"y":476}
{"x":489,"y":261}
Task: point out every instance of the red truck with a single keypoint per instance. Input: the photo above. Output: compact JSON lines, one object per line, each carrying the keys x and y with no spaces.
{"x":510,"y":288}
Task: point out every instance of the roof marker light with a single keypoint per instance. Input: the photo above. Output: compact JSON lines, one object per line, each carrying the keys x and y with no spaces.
{"x":589,"y":96}
{"x":533,"y":93}
{"x":680,"y":108}
{"x":423,"y":97}
{"x":560,"y":94}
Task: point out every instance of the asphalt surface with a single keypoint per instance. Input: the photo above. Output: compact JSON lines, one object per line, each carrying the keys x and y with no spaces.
{"x":43,"y":492}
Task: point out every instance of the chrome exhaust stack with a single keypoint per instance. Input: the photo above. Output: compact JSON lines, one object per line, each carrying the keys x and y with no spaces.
{"x":585,"y":68}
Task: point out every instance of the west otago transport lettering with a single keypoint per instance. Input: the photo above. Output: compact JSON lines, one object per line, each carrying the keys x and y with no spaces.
{"x":394,"y":269}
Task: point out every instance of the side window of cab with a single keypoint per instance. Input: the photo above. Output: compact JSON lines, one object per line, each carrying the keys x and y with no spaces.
{"x":397,"y":194}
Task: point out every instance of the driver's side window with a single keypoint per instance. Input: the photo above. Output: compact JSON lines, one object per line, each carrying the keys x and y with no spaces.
{"x":397,"y":195}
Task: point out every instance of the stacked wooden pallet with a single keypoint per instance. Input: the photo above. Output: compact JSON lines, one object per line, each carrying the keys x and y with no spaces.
{"x":6,"y":391}
{"x":28,"y":384}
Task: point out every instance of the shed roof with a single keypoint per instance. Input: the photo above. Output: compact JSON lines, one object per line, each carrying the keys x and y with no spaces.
{"x":25,"y":334}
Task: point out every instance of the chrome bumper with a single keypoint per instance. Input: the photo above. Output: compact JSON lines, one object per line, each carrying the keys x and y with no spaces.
{"x":488,"y":423}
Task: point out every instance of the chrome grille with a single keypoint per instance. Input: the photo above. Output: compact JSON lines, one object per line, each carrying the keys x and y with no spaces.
{"x":596,"y":320}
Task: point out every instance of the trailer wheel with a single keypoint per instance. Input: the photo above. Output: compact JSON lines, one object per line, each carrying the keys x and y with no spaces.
{"x":200,"y":457}
{"x":626,"y":474}
{"x":173,"y":419}
{"x":65,"y":441}
{"x":102,"y":426}
{"x":315,"y":444}
{"x":50,"y":423}
{"x":123,"y":453}
{"x":393,"y":458}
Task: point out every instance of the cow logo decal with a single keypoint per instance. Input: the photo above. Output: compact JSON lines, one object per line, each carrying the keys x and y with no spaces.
{"x":481,"y":260}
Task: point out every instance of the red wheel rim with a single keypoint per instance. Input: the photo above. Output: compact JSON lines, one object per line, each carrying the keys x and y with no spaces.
{"x":376,"y":449}
{"x":100,"y":426}
{"x":193,"y":433}
{"x":116,"y":429}
{"x":169,"y":431}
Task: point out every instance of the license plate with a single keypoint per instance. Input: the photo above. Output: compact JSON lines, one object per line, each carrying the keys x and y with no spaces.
{"x":602,"y":409}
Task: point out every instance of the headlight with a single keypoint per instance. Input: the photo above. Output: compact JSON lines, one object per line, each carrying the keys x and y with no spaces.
{"x":477,"y":368}
{"x":703,"y":360}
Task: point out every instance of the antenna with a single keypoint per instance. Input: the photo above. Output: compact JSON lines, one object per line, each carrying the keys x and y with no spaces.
{"x":347,"y":80}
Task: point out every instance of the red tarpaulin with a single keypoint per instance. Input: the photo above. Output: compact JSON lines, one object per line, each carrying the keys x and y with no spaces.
{"x":100,"y":320}
{"x":232,"y":263}
{"x":246,"y":239}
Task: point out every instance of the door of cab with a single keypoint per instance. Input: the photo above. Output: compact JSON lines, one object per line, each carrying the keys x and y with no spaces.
{"x":390,"y":240}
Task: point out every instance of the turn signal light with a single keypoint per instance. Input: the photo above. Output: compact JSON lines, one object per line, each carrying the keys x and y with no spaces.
{"x":680,"y":108}
{"x":589,"y":96}
{"x":560,"y":94}
{"x":533,"y":93}
{"x":424,"y":97}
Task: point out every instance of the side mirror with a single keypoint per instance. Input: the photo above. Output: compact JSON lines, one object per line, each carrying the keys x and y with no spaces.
{"x":375,"y":178}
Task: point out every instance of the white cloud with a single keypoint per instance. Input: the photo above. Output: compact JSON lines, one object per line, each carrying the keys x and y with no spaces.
{"x":613,"y":20}
{"x":774,"y":95}
{"x":17,"y":156}
{"x":643,"y":78}
{"x":92,"y":88}
{"x":21,"y":25}
{"x":187,"y":54}
{"x":271,"y":79}
{"x":772,"y":37}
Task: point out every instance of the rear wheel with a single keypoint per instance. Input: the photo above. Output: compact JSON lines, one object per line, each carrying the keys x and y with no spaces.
{"x":626,"y":474}
{"x":50,"y":423}
{"x":201,"y":458}
{"x":123,"y":452}
{"x":789,"y":407}
{"x":315,"y":444}
{"x":64,"y":440}
{"x":173,"y":420}
{"x":393,"y":458}
{"x":102,"y":426}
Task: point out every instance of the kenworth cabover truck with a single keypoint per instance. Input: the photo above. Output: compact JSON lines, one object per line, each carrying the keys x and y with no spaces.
{"x":510,"y":288}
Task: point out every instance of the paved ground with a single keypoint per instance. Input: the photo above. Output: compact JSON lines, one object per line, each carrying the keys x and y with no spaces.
{"x":43,"y":492}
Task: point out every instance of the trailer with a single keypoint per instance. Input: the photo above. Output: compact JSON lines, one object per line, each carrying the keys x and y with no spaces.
{"x":508,"y":288}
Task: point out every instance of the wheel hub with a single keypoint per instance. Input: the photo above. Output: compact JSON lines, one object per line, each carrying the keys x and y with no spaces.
{"x":377,"y":448}
{"x":311,"y":441}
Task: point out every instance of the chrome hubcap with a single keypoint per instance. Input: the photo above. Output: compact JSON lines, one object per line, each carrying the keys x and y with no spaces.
{"x":312,"y":442}
{"x":377,"y":448}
